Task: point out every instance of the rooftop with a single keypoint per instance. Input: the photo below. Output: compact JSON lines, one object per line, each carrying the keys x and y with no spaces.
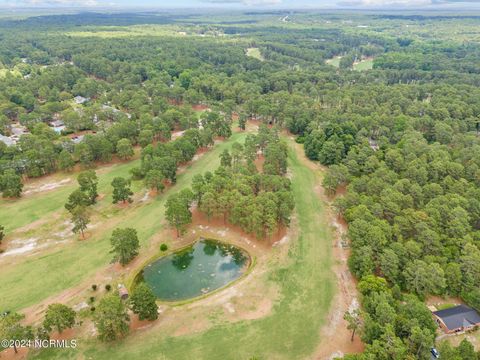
{"x":458,"y":317}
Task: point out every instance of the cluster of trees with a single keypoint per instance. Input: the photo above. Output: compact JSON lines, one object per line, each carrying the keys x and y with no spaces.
{"x":125,"y":245}
{"x":160,"y":162}
{"x":11,"y":184}
{"x":58,"y":317}
{"x":413,"y":215}
{"x":132,"y":85}
{"x":396,"y":325}
{"x":80,"y":200}
{"x":259,"y":203}
{"x":409,"y":160}
{"x":111,"y":315}
{"x":110,"y":318}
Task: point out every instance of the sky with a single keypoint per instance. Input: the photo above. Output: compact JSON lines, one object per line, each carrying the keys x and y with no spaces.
{"x":245,"y":4}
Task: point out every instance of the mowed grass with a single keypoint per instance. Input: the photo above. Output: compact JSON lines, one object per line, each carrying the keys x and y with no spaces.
{"x":17,"y":213}
{"x":37,"y":278}
{"x":255,"y":53}
{"x":334,"y":61}
{"x":292,"y":331}
{"x":363,"y":65}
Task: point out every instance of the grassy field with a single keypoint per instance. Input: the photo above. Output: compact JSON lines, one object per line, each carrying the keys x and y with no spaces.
{"x":127,"y":31}
{"x":363,"y":65}
{"x":255,"y":53}
{"x":334,"y":62}
{"x":38,"y":277}
{"x":14,"y":72}
{"x":291,"y":331}
{"x":17,"y":213}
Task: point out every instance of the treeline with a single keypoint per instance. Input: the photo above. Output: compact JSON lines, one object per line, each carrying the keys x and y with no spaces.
{"x":408,"y":157}
{"x":44,"y":152}
{"x":258,"y":202}
{"x":160,"y":162}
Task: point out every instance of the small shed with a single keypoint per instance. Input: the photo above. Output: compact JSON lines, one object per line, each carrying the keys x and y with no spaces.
{"x":122,"y":292}
{"x":56,"y":123}
{"x":458,"y":318}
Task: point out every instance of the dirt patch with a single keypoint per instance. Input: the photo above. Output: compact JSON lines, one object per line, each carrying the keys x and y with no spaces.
{"x":17,"y":247}
{"x":122,"y":204}
{"x":64,"y":335}
{"x":9,"y":354}
{"x":221,"y":228}
{"x":32,"y":189}
{"x":438,"y":301}
{"x":177,"y":134}
{"x":200,"y":107}
{"x":136,"y":324}
{"x":259,"y":161}
{"x":189,"y":327}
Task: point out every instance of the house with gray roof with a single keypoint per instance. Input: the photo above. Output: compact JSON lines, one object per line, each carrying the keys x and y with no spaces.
{"x":458,"y":318}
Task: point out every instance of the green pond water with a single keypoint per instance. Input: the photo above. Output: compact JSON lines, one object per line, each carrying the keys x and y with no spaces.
{"x":199,"y":269}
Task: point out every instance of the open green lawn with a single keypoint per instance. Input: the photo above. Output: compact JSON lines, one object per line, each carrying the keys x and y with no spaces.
{"x":291,"y":331}
{"x":17,"y":213}
{"x":334,"y":61}
{"x":37,"y":278}
{"x":363,"y":65}
{"x":255,"y":53}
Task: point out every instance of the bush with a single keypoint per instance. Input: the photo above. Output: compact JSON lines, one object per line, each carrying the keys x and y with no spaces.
{"x":92,"y":299}
{"x":94,"y":287}
{"x":108,"y":287}
{"x":92,"y":309}
{"x":163,"y":247}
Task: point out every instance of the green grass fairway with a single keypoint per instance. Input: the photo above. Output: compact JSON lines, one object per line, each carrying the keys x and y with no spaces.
{"x":363,"y":65}
{"x":255,"y":53}
{"x":37,"y":278}
{"x":291,"y":331}
{"x":17,"y":213}
{"x":334,"y":61}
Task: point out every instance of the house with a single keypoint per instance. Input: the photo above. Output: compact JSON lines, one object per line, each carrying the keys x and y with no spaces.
{"x":7,"y":140}
{"x":456,"y":319}
{"x":115,"y":111}
{"x":18,"y":129}
{"x":58,"y":125}
{"x":80,"y":100}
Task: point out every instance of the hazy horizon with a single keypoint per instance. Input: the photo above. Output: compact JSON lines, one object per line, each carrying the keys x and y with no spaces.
{"x":434,"y":5}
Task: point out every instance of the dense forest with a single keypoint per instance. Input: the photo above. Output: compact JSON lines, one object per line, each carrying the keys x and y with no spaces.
{"x":402,"y":137}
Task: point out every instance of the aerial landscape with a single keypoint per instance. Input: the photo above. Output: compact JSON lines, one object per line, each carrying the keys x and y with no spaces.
{"x":246,"y":180}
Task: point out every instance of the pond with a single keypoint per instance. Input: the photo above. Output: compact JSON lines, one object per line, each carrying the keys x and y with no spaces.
{"x":196,"y":270}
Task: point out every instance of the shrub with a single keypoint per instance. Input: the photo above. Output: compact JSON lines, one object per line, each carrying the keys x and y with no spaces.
{"x":108,"y":287}
{"x":163,"y":247}
{"x":94,"y":287}
{"x":92,"y":299}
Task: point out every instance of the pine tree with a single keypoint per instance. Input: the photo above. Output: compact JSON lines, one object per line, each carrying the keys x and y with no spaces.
{"x":143,"y":303}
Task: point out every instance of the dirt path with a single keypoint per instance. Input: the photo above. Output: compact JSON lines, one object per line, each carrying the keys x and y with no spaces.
{"x":335,"y":337}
